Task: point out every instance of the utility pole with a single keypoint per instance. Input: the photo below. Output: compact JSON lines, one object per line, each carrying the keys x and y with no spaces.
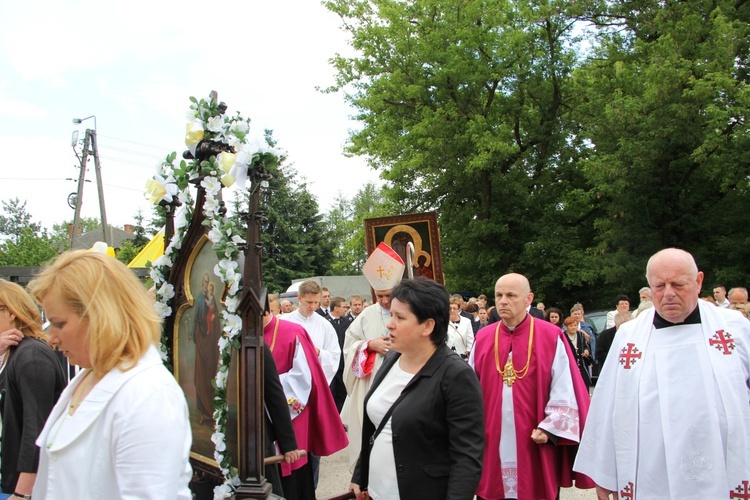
{"x":89,"y":148}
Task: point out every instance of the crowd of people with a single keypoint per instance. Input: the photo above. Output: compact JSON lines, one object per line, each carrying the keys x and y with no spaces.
{"x":433,"y":396}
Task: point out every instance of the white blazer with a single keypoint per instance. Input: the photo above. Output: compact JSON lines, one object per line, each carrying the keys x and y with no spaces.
{"x":129,"y":438}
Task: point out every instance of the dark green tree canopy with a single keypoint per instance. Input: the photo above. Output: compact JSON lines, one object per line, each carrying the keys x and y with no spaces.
{"x":565,"y":141}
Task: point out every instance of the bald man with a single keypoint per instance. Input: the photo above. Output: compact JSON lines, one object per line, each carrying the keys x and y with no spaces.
{"x":535,"y":402}
{"x":670,"y":417}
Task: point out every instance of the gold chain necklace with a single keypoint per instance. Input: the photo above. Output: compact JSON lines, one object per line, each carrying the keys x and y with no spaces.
{"x":509,"y":373}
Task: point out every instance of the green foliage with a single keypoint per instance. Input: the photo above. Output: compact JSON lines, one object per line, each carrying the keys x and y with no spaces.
{"x":296,"y":243}
{"x":29,"y":249}
{"x":23,"y":242}
{"x":345,"y":222}
{"x":16,"y":219}
{"x":128,"y":251}
{"x":141,"y":238}
{"x":569,"y":166}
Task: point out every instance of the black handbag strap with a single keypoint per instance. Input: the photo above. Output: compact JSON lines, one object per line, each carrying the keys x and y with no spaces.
{"x":387,"y":416}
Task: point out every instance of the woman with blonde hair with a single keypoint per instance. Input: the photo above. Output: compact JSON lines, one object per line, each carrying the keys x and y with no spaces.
{"x":120,"y":429}
{"x":31,"y":380}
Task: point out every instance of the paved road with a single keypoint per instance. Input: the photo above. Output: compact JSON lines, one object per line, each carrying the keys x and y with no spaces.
{"x":334,"y":479}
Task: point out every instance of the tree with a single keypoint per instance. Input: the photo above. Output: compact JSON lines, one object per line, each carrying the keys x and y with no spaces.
{"x":140,"y":239}
{"x":463,"y":107}
{"x":16,"y":219}
{"x":295,"y":241}
{"x":345,"y":222}
{"x":663,"y":110}
{"x":26,"y":243}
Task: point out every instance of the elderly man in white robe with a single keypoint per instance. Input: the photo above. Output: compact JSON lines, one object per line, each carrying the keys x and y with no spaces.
{"x":670,"y":417}
{"x":367,"y":341}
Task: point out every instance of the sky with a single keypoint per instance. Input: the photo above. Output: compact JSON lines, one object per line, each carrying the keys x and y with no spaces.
{"x":134,"y":66}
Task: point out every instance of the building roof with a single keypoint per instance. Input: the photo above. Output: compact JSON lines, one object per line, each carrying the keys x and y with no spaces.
{"x":117,"y":237}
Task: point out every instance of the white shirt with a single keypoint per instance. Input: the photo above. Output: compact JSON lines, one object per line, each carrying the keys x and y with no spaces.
{"x":323,"y":336}
{"x":383,"y":483}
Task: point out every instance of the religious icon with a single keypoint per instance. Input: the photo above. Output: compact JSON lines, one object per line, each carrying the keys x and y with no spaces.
{"x":196,"y":349}
{"x":418,"y":229}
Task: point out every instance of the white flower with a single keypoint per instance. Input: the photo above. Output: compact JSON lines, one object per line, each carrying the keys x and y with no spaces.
{"x":211,"y":185}
{"x":211,"y":206}
{"x":162,"y":261}
{"x":233,"y":324}
{"x":215,"y":124}
{"x":162,"y":309}
{"x":185,"y":198}
{"x":218,"y":440}
{"x":221,"y":381}
{"x":156,"y":276}
{"x":237,"y":239}
{"x":223,"y":343}
{"x":231,"y":303}
{"x":223,"y":491}
{"x":215,"y":236}
{"x":166,"y":291}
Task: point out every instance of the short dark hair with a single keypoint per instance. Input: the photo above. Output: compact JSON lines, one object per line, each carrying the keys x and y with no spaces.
{"x":426,"y":299}
{"x":719,"y":285}
{"x":620,"y":298}
{"x":337,"y":301}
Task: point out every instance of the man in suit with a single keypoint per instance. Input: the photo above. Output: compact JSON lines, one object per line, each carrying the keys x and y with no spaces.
{"x":325,"y":303}
{"x":340,"y":321}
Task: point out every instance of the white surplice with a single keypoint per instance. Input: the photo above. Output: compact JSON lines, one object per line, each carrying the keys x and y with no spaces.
{"x":323,"y":336}
{"x":670,"y":417}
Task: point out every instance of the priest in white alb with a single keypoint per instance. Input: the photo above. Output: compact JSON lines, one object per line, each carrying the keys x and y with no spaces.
{"x":367,"y":341}
{"x":670,"y":417}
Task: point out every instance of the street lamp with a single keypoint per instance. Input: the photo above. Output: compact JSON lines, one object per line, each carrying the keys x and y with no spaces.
{"x":78,"y":121}
{"x":88,"y":141}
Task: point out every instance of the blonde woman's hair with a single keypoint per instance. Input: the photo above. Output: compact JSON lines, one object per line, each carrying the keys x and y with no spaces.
{"x":28,"y":319}
{"x":122,"y":322}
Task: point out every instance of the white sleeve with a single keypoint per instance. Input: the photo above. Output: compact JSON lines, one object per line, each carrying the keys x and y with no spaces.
{"x":468,"y":334}
{"x":330,"y":353}
{"x":297,"y":382}
{"x":562,"y":408}
{"x":151,"y":445}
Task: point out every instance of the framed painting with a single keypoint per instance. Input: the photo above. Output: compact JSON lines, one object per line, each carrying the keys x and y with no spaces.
{"x":419,"y":229}
{"x":196,"y":353}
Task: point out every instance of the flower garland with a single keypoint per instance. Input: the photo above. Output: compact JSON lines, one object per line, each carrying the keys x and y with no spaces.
{"x":207,"y":125}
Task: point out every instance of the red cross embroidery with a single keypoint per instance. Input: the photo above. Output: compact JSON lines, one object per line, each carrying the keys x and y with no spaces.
{"x":723,"y":342}
{"x":629,"y":355}
{"x":742,"y":491}
{"x":627,"y":492}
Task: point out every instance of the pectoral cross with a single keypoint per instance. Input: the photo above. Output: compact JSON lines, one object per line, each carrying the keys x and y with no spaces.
{"x":509,"y":373}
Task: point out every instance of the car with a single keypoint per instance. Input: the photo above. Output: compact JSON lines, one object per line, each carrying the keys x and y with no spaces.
{"x":597,"y":320}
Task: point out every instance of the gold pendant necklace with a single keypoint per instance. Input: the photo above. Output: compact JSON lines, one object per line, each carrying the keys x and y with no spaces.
{"x":509,"y":373}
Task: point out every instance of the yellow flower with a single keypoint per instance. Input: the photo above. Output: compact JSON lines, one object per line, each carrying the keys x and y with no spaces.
{"x":193,"y":134}
{"x":227,"y":161}
{"x":155,"y":191}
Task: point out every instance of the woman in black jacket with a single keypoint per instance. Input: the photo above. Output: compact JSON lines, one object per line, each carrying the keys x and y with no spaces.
{"x":31,"y":380}
{"x":423,"y":432}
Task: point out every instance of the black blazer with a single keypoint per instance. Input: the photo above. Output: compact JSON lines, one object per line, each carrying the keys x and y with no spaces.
{"x":438,"y":430}
{"x":31,"y":383}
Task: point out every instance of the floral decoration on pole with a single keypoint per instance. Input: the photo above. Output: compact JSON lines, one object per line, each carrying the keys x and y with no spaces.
{"x":220,"y":156}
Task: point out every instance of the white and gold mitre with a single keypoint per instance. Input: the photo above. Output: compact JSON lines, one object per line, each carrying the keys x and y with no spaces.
{"x":384,"y":268}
